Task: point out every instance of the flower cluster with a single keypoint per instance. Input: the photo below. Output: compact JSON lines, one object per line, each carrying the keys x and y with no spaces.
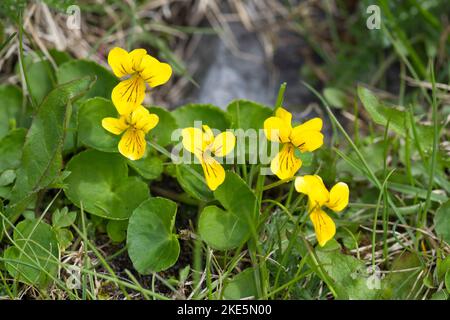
{"x":137,"y":68}
{"x":305,"y":137}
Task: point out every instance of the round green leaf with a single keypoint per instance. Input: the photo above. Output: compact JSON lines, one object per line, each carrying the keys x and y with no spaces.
{"x":149,"y":168}
{"x":247,"y":114}
{"x":442,"y":221}
{"x":75,"y":69}
{"x":249,"y":117}
{"x":34,"y":257}
{"x":220,"y":229}
{"x":242,"y":286}
{"x":117,"y":230}
{"x":208,"y":114}
{"x":152,"y":246}
{"x":99,"y":183}
{"x":162,"y":133}
{"x":347,"y":274}
{"x":229,"y":228}
{"x":401,"y":282}
{"x":90,"y":130}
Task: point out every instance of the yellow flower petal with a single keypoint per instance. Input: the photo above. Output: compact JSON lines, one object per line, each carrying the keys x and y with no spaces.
{"x":313,"y":187}
{"x":114,"y":125}
{"x":214,"y":172}
{"x":132,"y":144}
{"x":143,"y":120}
{"x":339,"y":195}
{"x":276,"y":130}
{"x":285,"y":164}
{"x":135,"y":57}
{"x":284,"y":115}
{"x":223,"y":144}
{"x":193,"y":141}
{"x":120,"y":62}
{"x":323,"y":226}
{"x":307,"y":136}
{"x":128,"y":94}
{"x":314,"y":124}
{"x":153,"y":72}
{"x":208,"y":135}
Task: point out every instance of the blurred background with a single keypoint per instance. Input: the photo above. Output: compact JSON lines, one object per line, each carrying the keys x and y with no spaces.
{"x":228,"y":49}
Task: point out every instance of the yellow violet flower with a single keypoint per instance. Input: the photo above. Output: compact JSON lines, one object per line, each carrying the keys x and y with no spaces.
{"x":139,"y":68}
{"x":336,"y":199}
{"x":202,"y":143}
{"x":136,"y":125}
{"x":305,"y":137}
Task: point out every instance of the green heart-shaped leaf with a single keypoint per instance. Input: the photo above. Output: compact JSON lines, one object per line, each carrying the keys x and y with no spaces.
{"x":117,"y":230}
{"x":247,"y":114}
{"x":401,"y":283}
{"x":248,"y":118}
{"x":149,"y":167}
{"x":75,"y":69}
{"x":162,"y":133}
{"x":214,"y":117}
{"x":99,"y":184}
{"x":224,"y":230}
{"x":242,"y":286}
{"x":34,"y":257}
{"x":152,"y":246}
{"x":348,"y":274}
{"x":90,"y":130}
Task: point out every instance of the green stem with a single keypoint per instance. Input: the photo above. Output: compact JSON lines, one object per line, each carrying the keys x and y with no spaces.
{"x":276,"y":184}
{"x":197,"y":252}
{"x":280,"y":97}
{"x":434,"y":151}
{"x":178,"y":197}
